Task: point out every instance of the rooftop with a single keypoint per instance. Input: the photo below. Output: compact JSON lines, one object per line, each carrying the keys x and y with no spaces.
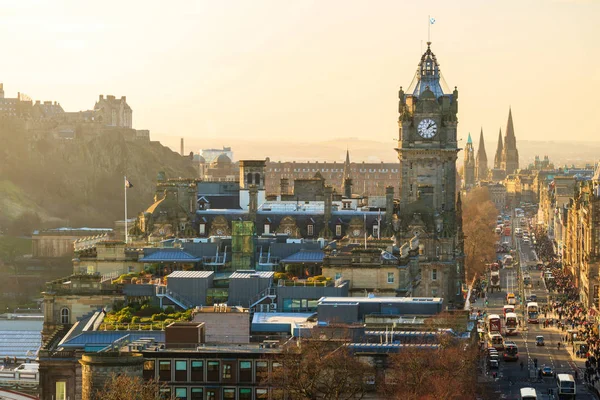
{"x":191,"y":274}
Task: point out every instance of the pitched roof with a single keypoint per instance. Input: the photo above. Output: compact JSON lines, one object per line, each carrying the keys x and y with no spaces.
{"x":311,"y":256}
{"x":169,"y":255}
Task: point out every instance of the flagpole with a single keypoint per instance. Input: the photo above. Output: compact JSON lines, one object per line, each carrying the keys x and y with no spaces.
{"x":125,"y":188}
{"x":429,"y":28}
{"x":365,"y":228}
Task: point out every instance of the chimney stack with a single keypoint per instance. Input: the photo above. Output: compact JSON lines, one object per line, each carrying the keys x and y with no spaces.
{"x":348,"y":188}
{"x":181,"y":150}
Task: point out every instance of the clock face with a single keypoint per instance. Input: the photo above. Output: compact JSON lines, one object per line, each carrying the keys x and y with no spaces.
{"x":427,"y":128}
{"x":356,"y":232}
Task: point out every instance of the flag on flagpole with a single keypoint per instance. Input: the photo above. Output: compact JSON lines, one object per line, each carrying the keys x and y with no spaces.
{"x":432,"y":21}
{"x":128,"y":184}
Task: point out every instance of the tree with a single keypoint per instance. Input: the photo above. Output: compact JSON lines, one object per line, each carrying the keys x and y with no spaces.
{"x":448,"y":372}
{"x":479,"y":221}
{"x":313,"y":369}
{"x":125,"y":387}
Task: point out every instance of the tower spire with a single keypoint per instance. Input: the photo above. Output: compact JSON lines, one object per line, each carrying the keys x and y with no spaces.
{"x":481,"y":162}
{"x":499,"y":150}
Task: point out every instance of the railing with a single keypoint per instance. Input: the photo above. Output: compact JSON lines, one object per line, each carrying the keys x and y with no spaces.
{"x":32,"y":376}
{"x":283,"y":282}
{"x":110,"y":275}
{"x":162,"y":290}
{"x":267,"y":260}
{"x":268,"y":292}
{"x":138,"y":326}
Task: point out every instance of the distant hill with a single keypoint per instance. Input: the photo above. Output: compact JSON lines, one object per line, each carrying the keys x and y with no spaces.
{"x":79,"y":182}
{"x":364,"y":149}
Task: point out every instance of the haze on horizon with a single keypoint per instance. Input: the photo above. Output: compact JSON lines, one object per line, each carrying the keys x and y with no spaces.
{"x":267,"y":70}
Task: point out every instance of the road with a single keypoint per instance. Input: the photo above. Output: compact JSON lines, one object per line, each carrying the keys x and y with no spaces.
{"x":511,"y":377}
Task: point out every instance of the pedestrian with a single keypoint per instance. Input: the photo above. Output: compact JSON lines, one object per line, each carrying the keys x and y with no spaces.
{"x":535,"y":362}
{"x":521,"y":365}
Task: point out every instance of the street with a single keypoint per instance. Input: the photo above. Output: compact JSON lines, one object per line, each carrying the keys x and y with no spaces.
{"x":510,"y":375}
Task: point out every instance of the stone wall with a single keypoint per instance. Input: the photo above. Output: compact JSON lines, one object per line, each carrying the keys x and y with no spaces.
{"x":97,"y":369}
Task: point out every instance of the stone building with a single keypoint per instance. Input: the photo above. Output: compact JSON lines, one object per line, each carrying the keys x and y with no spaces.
{"x":110,"y":111}
{"x":427,"y":150}
{"x":367,"y":178}
{"x":581,"y":254}
{"x":59,"y":242}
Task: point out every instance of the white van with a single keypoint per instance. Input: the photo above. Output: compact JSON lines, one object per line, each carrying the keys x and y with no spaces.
{"x":528,"y":393}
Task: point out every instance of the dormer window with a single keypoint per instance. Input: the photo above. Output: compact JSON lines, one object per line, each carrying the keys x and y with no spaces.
{"x":310,"y":230}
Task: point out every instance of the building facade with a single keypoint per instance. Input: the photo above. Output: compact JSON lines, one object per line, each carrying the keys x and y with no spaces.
{"x":427,"y":150}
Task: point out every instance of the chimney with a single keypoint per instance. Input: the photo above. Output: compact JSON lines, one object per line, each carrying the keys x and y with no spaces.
{"x":181,"y":147}
{"x":124,"y":98}
{"x":348,"y":188}
{"x":253,"y":204}
{"x":284,"y":186}
{"x":101,"y":97}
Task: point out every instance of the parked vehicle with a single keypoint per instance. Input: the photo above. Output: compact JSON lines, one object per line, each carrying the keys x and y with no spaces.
{"x":539,"y":340}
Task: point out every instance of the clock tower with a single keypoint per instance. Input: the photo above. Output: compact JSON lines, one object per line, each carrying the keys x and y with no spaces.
{"x":427,"y":150}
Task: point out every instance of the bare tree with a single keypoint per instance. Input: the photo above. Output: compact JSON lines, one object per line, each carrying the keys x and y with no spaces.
{"x":314,"y":369}
{"x":479,"y":216}
{"x":448,"y":372}
{"x":125,"y":387}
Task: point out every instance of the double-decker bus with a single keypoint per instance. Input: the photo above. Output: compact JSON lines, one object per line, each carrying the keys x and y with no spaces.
{"x":494,"y":323}
{"x":511,"y":351}
{"x":508,"y":308}
{"x":532,"y":312}
{"x":510,"y":323}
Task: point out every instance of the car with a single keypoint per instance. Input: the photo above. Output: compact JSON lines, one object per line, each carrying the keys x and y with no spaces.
{"x":533,"y":297}
{"x":547,"y":371}
{"x":539,"y":340}
{"x":494,"y":364}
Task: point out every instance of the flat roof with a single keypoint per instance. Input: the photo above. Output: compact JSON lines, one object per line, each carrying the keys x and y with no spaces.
{"x":419,"y":300}
{"x":280,"y":318}
{"x":252,"y":274}
{"x":190,"y":274}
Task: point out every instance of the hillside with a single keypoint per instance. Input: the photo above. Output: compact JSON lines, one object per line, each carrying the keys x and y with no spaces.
{"x":79,"y":182}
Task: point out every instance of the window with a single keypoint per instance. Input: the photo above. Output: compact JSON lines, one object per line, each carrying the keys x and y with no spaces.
{"x":245,"y":371}
{"x":149,"y":366}
{"x":390,"y":276}
{"x":197,"y":371}
{"x":229,"y":394}
{"x":181,"y":393}
{"x":309,"y":230}
{"x":434,"y":292}
{"x":267,"y":228}
{"x":212,"y":371}
{"x":338,"y":230}
{"x":245,"y":394}
{"x":262,"y":369}
{"x":228,"y":371}
{"x":202,"y":229}
{"x":434,"y":274}
{"x":64,"y":316}
{"x":61,"y":390}
{"x":197,"y":394}
{"x":338,"y":275}
{"x":262,"y":393}
{"x":181,"y":370}
{"x":164,"y":370}
{"x":249,"y":178}
{"x":211,"y":394}
{"x":257,"y":178}
{"x":375,"y":231}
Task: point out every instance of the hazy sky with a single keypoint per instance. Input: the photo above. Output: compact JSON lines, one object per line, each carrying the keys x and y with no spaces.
{"x":308,"y":70}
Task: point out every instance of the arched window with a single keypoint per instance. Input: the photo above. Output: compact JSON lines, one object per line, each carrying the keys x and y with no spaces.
{"x":257,"y":179}
{"x":249,"y":178}
{"x":64,"y":316}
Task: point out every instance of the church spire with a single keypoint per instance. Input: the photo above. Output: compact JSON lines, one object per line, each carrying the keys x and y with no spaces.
{"x":499,"y":150}
{"x":469,"y":141}
{"x":481,"y":162}
{"x":510,"y":155}
{"x":347,"y":165}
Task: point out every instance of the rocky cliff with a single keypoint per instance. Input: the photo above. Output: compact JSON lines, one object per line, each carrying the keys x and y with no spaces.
{"x":79,"y":182}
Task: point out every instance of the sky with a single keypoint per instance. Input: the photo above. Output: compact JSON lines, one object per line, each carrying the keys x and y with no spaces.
{"x":268,"y":71}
